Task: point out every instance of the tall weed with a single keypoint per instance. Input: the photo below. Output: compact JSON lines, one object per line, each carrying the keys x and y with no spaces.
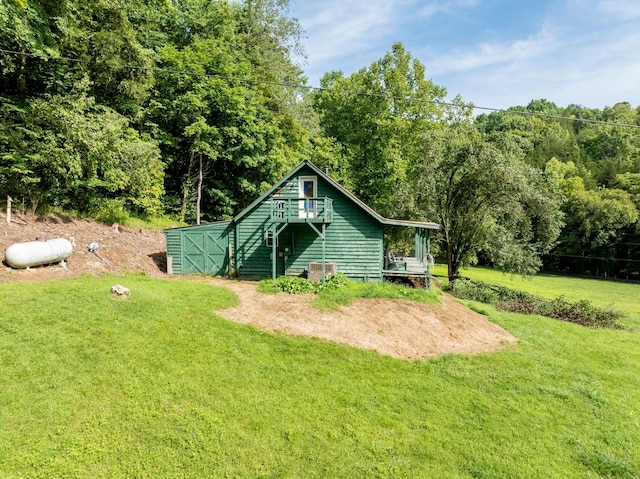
{"x":579,"y":312}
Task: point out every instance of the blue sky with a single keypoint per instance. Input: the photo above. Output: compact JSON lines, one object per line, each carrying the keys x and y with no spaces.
{"x":494,"y":53}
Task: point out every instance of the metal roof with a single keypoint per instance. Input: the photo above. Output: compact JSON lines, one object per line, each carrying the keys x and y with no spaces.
{"x":202,"y":225}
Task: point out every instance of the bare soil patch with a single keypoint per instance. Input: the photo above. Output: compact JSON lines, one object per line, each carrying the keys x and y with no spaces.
{"x":401,"y":329}
{"x":120,"y":248}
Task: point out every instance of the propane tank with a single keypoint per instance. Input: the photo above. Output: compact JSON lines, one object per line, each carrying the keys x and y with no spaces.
{"x":35,"y":253}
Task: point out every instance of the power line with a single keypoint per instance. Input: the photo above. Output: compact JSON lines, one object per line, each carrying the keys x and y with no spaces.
{"x":317,"y":88}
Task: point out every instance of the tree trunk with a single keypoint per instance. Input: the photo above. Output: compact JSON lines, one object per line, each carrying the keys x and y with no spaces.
{"x":22,"y":79}
{"x":452,"y":268}
{"x":186,"y":188}
{"x":9,"y":200}
{"x":200,"y":179}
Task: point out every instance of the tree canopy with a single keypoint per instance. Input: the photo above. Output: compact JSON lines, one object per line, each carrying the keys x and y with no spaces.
{"x":487,"y":200}
{"x":378,"y":129}
{"x":193,"y":108}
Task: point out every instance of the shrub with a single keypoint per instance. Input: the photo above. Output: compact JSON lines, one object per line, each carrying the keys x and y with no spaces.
{"x":580,"y":312}
{"x":295,"y":285}
{"x":336,"y":281}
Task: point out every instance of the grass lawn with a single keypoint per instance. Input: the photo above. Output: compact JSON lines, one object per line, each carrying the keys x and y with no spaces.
{"x":622,"y":296}
{"x":159,"y":386}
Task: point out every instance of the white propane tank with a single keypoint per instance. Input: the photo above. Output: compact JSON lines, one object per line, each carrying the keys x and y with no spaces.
{"x":34,"y":253}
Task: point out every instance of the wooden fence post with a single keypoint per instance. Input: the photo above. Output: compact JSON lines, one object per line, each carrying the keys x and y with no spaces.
{"x":9,"y":209}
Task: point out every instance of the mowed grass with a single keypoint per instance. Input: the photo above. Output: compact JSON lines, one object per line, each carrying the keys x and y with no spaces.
{"x":159,"y":386}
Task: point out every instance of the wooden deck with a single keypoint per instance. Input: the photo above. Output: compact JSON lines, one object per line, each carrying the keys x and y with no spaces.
{"x":414,"y":272}
{"x":302,"y":210}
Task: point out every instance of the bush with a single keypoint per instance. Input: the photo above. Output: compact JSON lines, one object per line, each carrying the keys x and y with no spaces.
{"x":110,"y":211}
{"x":295,"y":285}
{"x":334,"y":282}
{"x":580,"y":312}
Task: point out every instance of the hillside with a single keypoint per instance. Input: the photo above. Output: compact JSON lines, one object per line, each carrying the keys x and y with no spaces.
{"x":120,"y":248}
{"x":396,"y":328}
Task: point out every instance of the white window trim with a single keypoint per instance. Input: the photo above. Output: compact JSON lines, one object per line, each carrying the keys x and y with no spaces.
{"x":268,"y":239}
{"x":301,"y":181}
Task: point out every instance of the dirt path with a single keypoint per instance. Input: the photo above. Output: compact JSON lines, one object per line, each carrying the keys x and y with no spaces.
{"x":402,"y":329}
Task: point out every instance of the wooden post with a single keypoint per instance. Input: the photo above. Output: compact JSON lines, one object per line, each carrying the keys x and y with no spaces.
{"x":274,"y":253}
{"x":324,"y":269}
{"x":428,"y":256}
{"x":9,"y":200}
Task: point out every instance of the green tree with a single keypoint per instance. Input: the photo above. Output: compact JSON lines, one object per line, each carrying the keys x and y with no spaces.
{"x":229,"y":125}
{"x":487,"y":199}
{"x":630,"y":182}
{"x":222,"y":122}
{"x":540,"y":137}
{"x":377,"y":128}
{"x":595,"y":218}
{"x":26,"y":28}
{"x":70,"y":152}
{"x":608,"y":150}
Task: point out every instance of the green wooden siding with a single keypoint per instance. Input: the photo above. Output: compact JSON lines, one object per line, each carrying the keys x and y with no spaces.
{"x":174,"y":251}
{"x":353,"y":236}
{"x":354,"y":240}
{"x":252,"y":254}
{"x":202,"y":249}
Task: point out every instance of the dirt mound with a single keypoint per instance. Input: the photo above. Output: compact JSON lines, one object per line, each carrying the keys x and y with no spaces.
{"x":401,"y":329}
{"x":119,"y":248}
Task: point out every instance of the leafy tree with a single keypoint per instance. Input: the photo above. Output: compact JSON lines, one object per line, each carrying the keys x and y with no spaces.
{"x":610,"y":150}
{"x":229,"y":130}
{"x":68,"y":151}
{"x":595,"y":218}
{"x":28,"y":27}
{"x":630,"y":182}
{"x":487,"y":200}
{"x":377,"y":129}
{"x":235,"y":136}
{"x":541,"y":138}
{"x":222,"y":122}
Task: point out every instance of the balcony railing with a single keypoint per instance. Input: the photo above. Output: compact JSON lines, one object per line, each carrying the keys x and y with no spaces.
{"x":302,"y":210}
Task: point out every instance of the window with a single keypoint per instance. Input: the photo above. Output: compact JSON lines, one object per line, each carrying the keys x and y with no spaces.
{"x":268,"y":239}
{"x":307,"y":188}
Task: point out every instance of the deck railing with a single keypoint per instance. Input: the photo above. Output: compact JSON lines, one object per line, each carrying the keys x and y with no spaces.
{"x":302,"y":210}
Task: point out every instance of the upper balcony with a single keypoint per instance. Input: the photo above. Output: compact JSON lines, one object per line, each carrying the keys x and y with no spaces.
{"x":302,"y":210}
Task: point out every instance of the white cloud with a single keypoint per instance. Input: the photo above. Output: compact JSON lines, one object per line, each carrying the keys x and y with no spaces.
{"x":340,"y":28}
{"x":351,"y":34}
{"x":586,"y":53}
{"x":488,"y":54}
{"x":452,"y":6}
{"x":570,"y":70}
{"x":607,"y":9}
{"x":583,"y":51}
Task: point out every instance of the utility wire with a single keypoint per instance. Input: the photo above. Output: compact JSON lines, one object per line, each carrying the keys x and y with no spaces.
{"x":317,"y":88}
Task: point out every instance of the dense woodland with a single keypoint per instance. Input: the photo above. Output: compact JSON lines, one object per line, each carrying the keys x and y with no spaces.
{"x":191,"y":108}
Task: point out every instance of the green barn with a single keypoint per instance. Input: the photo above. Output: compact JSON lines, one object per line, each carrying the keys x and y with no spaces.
{"x":305,"y":225}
